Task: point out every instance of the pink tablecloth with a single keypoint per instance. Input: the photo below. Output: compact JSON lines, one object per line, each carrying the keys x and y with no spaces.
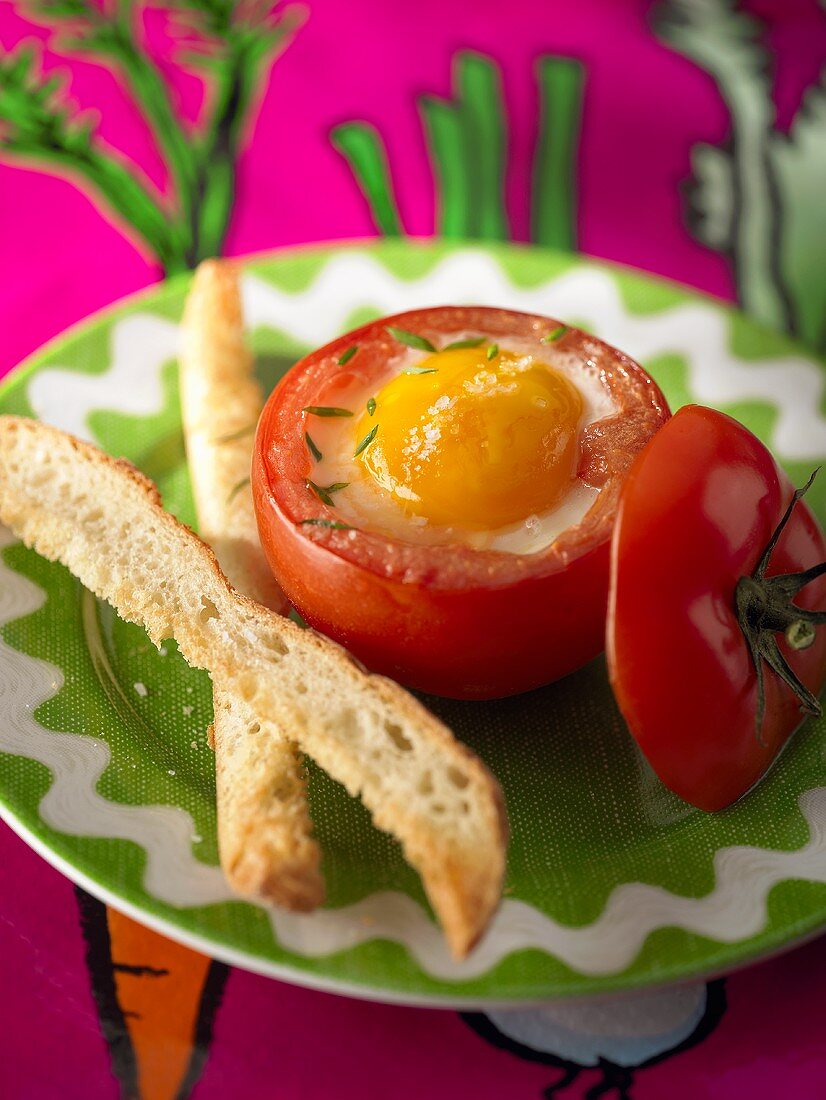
{"x":631,"y":102}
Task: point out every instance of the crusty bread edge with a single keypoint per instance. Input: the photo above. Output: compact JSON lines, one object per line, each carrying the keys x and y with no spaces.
{"x":463,"y":909}
{"x":265,"y":840}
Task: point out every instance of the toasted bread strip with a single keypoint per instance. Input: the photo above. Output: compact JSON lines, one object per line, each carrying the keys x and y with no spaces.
{"x":221,"y":401}
{"x":102,"y":519}
{"x":264,"y":828}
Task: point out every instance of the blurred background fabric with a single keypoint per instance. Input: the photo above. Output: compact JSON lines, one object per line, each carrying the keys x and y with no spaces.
{"x":683,"y":137}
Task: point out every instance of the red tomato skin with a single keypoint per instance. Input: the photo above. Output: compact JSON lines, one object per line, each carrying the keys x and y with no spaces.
{"x":696,"y":511}
{"x":450,"y":621}
{"x":471,"y":644}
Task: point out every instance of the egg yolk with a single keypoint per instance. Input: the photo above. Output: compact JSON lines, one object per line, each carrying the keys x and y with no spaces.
{"x":471,"y":441}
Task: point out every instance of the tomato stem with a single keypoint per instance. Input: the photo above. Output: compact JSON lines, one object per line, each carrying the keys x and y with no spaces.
{"x":765,"y":608}
{"x":801,"y":634}
{"x":762,"y":565}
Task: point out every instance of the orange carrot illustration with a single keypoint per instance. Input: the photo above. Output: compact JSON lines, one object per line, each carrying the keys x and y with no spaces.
{"x":156,"y":1002}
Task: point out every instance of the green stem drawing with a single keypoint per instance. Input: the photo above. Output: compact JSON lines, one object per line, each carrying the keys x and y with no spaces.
{"x":363,"y":150}
{"x":248,"y":49}
{"x":479,"y":108}
{"x":443,"y":126}
{"x":42,"y":134}
{"x":800,"y":161}
{"x":554,"y":212}
{"x":231,"y":40}
{"x":724,"y":42}
{"x":115,"y":40}
{"x":216,"y":160}
{"x":466,"y":139}
{"x":238,"y":83}
{"x":467,"y":143}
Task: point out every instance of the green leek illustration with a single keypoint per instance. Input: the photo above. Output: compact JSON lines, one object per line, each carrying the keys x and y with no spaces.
{"x":467,"y":140}
{"x":228,"y":42}
{"x":759,"y":199}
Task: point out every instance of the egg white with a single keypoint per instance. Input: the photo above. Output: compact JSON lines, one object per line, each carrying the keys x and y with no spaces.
{"x":364,"y":505}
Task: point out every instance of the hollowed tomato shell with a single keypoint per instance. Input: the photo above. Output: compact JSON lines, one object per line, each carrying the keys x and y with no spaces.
{"x":449,"y":620}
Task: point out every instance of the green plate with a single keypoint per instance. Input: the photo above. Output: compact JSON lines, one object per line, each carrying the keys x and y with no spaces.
{"x":612,"y":882}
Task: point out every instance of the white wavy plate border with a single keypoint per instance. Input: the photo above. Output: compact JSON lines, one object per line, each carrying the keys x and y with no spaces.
{"x":141,"y":345}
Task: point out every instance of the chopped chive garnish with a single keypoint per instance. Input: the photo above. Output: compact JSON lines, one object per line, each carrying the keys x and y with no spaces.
{"x":325,"y":492}
{"x":322,"y":494}
{"x":346,"y":356}
{"x":295,"y":617}
{"x":411,"y":339}
{"x":421,"y":370}
{"x":557,"y":334}
{"x":472,"y":342}
{"x":236,"y":489}
{"x":365,"y":443}
{"x":239,"y":434}
{"x":493,"y":351}
{"x":314,"y":451}
{"x":334,"y":525}
{"x":371,"y":406}
{"x":326,"y":410}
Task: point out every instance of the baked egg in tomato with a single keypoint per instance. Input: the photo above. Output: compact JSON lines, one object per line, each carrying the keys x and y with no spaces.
{"x":437,"y":490}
